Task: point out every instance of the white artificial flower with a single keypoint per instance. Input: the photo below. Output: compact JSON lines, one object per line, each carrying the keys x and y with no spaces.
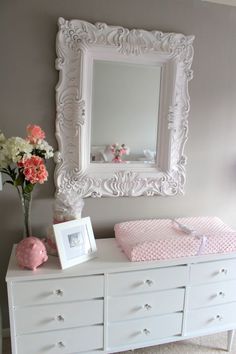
{"x":4,"y":159}
{"x":18,"y":148}
{"x":2,"y":138}
{"x":44,"y":146}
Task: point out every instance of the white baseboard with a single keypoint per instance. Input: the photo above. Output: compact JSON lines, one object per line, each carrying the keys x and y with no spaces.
{"x":6,"y":332}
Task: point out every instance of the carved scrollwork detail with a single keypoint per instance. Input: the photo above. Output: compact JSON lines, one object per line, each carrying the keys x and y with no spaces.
{"x":123,"y":183}
{"x":75,"y":39}
{"x":128,"y":42}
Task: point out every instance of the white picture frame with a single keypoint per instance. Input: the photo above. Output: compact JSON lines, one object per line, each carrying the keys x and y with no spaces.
{"x":79,"y":44}
{"x":75,"y":242}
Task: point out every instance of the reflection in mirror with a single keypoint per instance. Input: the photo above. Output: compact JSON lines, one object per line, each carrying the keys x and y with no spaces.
{"x":124,"y":111}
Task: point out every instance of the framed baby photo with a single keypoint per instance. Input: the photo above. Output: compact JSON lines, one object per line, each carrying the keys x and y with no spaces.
{"x":75,"y":242}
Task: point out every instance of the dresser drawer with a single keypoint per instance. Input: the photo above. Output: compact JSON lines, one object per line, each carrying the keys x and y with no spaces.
{"x":211,"y":318}
{"x":67,"y":341}
{"x":212,"y":294}
{"x":145,"y":330}
{"x":58,"y":316}
{"x":57,"y":290}
{"x":147,"y":280}
{"x":213,"y":271}
{"x":144,"y":305}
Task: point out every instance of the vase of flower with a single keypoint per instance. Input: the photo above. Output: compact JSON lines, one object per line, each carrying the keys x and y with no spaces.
{"x":26,"y":201}
{"x":118,"y":151}
{"x":23,"y":162}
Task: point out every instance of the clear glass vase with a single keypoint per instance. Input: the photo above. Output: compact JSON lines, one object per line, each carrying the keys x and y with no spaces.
{"x":26,"y":201}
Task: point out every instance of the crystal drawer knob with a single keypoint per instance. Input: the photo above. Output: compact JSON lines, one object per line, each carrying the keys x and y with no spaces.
{"x":60,"y":318}
{"x":224,"y":271}
{"x":59,"y":292}
{"x":146,"y":331}
{"x":149,"y":282}
{"x":221,"y":294}
{"x":147,"y":307}
{"x":219,"y":317}
{"x":61,"y":344}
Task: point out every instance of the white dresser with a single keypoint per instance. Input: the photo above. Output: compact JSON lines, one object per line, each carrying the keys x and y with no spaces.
{"x":110,"y":304}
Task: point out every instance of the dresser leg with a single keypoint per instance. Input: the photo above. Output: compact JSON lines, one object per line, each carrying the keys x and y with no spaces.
{"x":230,"y":340}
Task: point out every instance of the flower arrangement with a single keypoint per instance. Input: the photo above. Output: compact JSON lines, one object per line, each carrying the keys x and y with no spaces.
{"x":118,"y":150}
{"x":23,"y":162}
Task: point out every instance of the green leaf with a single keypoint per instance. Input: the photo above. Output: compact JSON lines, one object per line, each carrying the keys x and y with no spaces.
{"x":5,"y":172}
{"x":40,"y":153}
{"x":29,"y":188}
{"x":12,"y":172}
{"x":19,"y":180}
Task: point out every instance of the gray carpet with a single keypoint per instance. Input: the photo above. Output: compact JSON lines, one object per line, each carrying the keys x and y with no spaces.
{"x":214,"y":344}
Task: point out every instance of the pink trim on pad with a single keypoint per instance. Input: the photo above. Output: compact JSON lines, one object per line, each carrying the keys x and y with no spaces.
{"x":153,"y":239}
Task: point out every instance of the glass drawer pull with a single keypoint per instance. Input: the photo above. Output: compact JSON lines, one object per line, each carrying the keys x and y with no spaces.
{"x":60,"y":318}
{"x":224,"y":270}
{"x":59,"y":292}
{"x":146,"y":331}
{"x":61,"y":344}
{"x":147,"y":307}
{"x":149,"y":282}
{"x":221,"y":293}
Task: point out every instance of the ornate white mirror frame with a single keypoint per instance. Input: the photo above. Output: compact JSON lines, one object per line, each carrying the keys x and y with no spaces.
{"x":78,"y":44}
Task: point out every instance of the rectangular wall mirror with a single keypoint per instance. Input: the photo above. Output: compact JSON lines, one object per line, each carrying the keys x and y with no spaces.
{"x":122,"y":110}
{"x":125,"y":102}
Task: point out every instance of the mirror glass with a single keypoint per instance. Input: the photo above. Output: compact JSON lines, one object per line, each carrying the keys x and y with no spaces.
{"x":125,"y":103}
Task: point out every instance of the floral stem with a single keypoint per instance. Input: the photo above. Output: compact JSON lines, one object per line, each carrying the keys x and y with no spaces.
{"x":25,"y":199}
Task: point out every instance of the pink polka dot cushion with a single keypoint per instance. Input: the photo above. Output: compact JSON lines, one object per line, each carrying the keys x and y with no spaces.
{"x":145,"y":240}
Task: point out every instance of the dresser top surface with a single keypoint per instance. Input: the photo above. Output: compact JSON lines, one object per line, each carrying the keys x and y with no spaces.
{"x":109,"y":259}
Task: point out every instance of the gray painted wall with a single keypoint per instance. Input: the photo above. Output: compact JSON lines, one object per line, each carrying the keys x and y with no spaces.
{"x":27,"y":35}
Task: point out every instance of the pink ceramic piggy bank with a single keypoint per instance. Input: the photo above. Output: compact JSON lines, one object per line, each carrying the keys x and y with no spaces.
{"x":31,"y":252}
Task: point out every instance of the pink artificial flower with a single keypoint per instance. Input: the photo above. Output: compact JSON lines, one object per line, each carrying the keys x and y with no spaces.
{"x":117,"y":159}
{"x":35,"y":170}
{"x":20,"y":163}
{"x":35,"y":133}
